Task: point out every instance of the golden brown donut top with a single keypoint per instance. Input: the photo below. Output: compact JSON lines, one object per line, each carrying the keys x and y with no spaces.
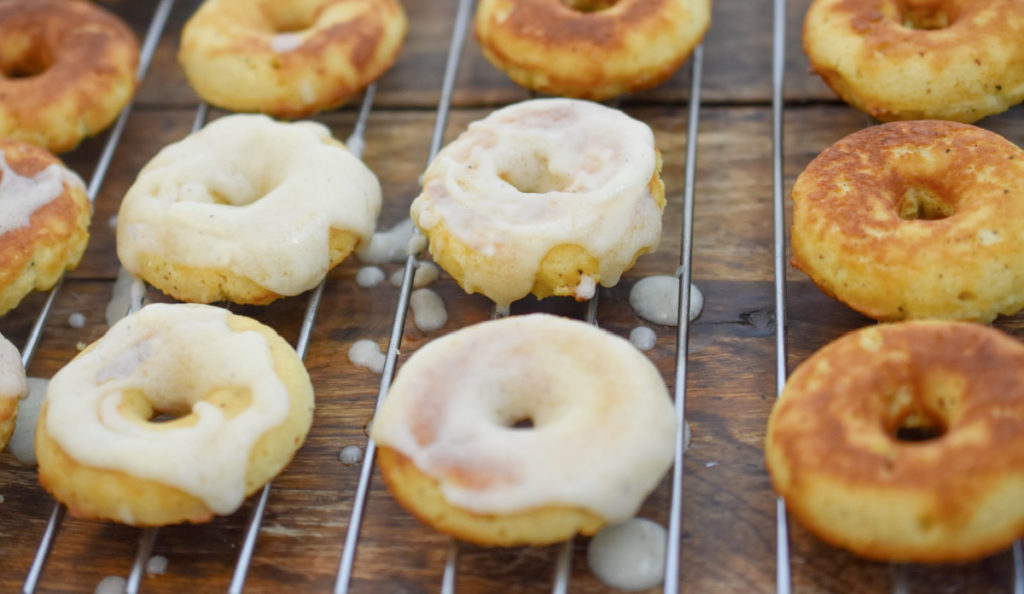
{"x":50,"y":223}
{"x":874,"y":180}
{"x":358,"y":30}
{"x":556,"y":22}
{"x":59,"y":41}
{"x":914,"y":28}
{"x":840,"y":410}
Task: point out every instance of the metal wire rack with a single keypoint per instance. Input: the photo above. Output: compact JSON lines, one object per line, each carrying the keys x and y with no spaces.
{"x":356,"y":143}
{"x":563,"y":561}
{"x":147,"y":537}
{"x":783,"y":558}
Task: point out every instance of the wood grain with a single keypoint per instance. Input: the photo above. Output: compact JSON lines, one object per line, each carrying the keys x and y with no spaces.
{"x":728,"y":506}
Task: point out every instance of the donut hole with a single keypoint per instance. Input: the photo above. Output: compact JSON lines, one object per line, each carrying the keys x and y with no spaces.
{"x":289,"y":17}
{"x":927,"y":18}
{"x":535,"y":176}
{"x":141,"y":408}
{"x":240,"y":187}
{"x":920,"y":203}
{"x":523,"y":423}
{"x":922,"y":414}
{"x":24,"y":56}
{"x":917,"y":428}
{"x":588,"y":6}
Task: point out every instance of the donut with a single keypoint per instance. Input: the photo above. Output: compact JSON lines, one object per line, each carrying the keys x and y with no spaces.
{"x":239,"y":403}
{"x":919,"y":219}
{"x":590,"y":49}
{"x":905,"y":442}
{"x":67,"y":69}
{"x":454,"y":450}
{"x":44,"y":220}
{"x":913,"y":59}
{"x":289,"y":59}
{"x":246,"y":210}
{"x":547,"y":196}
{"x":13,"y":386}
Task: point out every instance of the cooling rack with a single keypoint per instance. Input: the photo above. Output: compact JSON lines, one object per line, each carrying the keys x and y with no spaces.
{"x":325,"y":526}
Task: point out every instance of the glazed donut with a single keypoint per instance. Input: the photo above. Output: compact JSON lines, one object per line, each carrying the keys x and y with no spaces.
{"x":66,"y":71}
{"x":454,"y":453}
{"x":844,"y":443}
{"x":247,"y":210}
{"x":44,"y":220}
{"x":289,"y":59}
{"x":547,"y":196}
{"x":241,"y":399}
{"x":590,"y":49}
{"x":919,"y":59}
{"x":13,"y":386}
{"x":919,"y":219}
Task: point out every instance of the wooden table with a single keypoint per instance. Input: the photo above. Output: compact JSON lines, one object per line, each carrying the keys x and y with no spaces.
{"x":728,"y":505}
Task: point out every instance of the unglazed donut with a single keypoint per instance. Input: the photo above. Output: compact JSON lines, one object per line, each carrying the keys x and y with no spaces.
{"x":13,"y":386}
{"x":835,"y":451}
{"x":44,"y":220}
{"x":919,"y":59}
{"x":590,"y":49}
{"x":66,"y":71}
{"x":289,"y":59}
{"x":547,"y":196}
{"x":919,"y":219}
{"x":453,"y":454}
{"x":246,"y":210}
{"x":241,"y":399}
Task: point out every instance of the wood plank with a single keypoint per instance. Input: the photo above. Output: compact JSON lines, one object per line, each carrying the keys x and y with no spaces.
{"x":728,"y":505}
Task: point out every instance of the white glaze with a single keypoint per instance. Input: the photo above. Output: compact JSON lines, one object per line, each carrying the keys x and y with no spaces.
{"x":587,"y":288}
{"x":595,"y":164}
{"x":643,"y":338}
{"x":120,"y":297}
{"x":174,"y":355}
{"x":630,"y":555}
{"x":428,"y":311}
{"x":351,"y":454}
{"x":656,"y":299}
{"x":22,"y":443}
{"x":21,"y":197}
{"x":76,"y":319}
{"x":12,"y":373}
{"x":388,"y":246}
{"x":417,"y":243}
{"x":112,"y":584}
{"x":451,"y":405}
{"x":369,"y":276}
{"x":285,"y":42}
{"x":425,"y":275}
{"x":366,"y":353}
{"x":156,"y":565}
{"x":251,"y":195}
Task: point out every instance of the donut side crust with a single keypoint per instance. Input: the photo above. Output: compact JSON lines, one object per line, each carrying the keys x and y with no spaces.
{"x":207,"y":285}
{"x":421,"y":495}
{"x":8,"y":417}
{"x":35,"y":256}
{"x":99,"y":493}
{"x":832,"y":450}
